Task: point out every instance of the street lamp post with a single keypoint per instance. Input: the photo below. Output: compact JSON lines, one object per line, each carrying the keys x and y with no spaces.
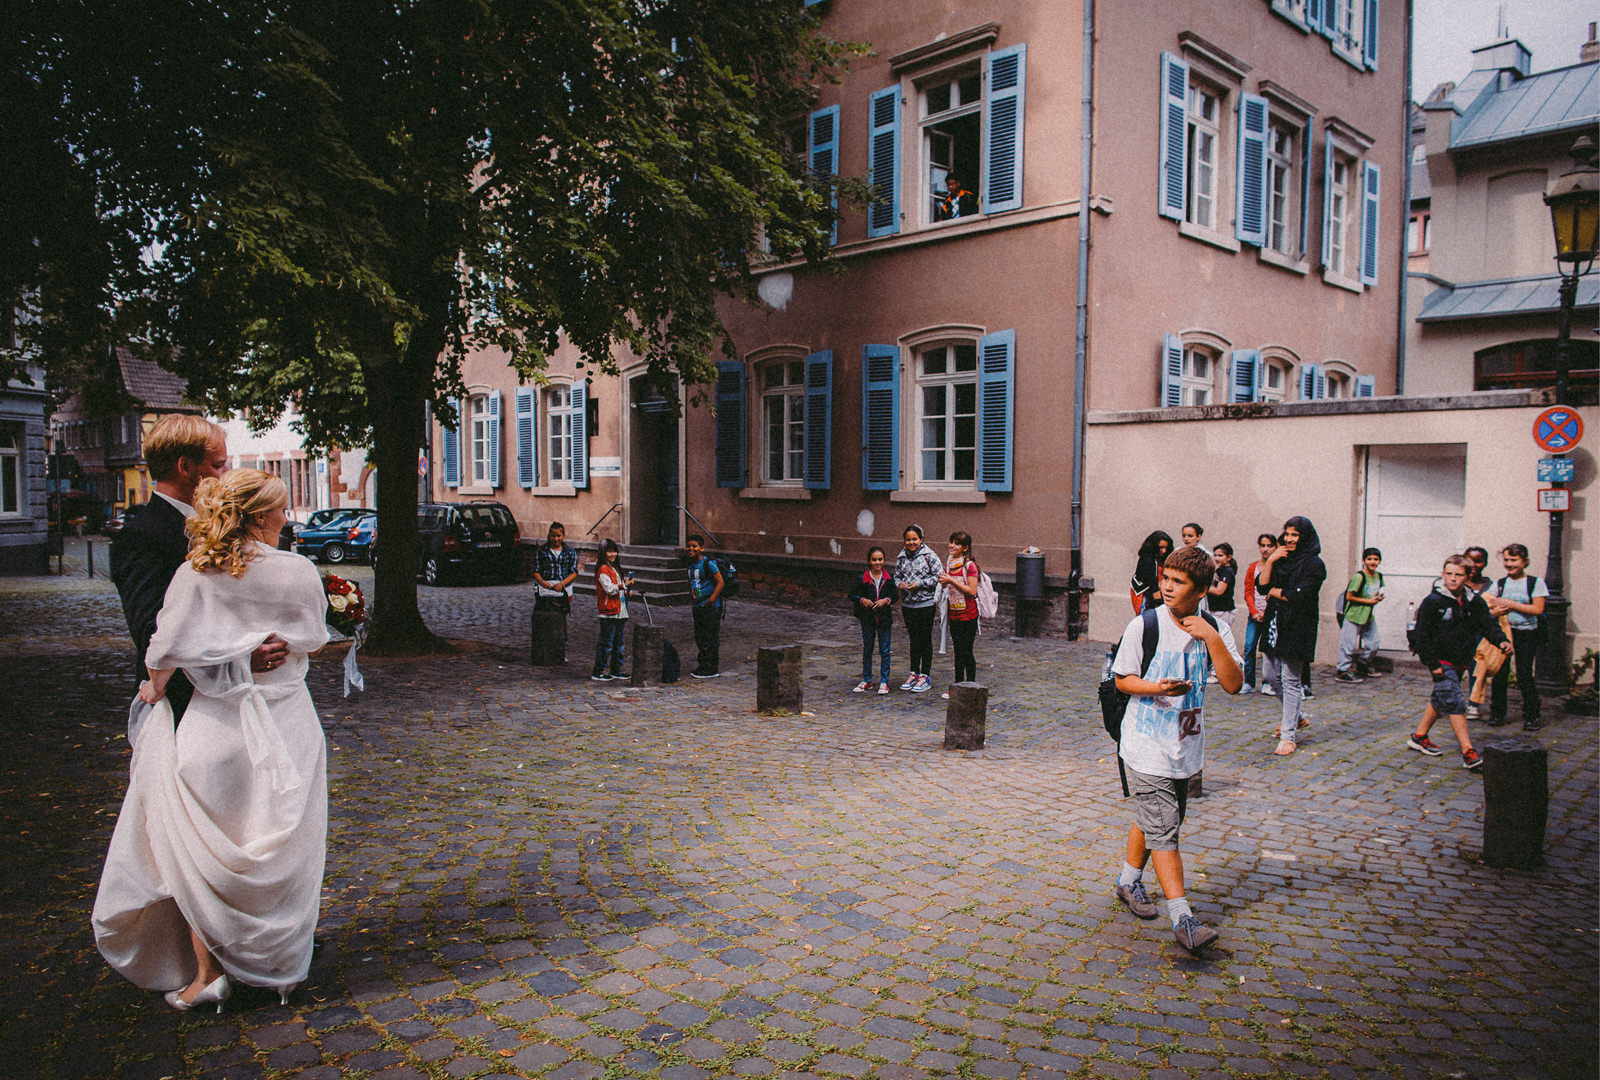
{"x":1574,"y":201}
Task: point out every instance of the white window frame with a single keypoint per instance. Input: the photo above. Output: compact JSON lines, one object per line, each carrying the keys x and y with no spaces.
{"x":790,"y":395}
{"x":1221,"y":76}
{"x":12,"y":438}
{"x":951,"y":380}
{"x":1205,"y":200}
{"x":1283,"y":187}
{"x":555,"y":438}
{"x":1339,"y":379}
{"x":478,"y":448}
{"x":970,"y":68}
{"x":1293,"y":10}
{"x":1349,"y":30}
{"x":1199,"y":389}
{"x":1339,"y":214}
{"x":1285,"y":364}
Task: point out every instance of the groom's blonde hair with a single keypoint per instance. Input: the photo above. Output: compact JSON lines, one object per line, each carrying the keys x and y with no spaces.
{"x":175,"y":437}
{"x":224,"y":510}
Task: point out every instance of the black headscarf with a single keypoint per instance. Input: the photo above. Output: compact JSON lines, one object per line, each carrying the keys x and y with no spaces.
{"x":1291,"y":623}
{"x":1147,"y":574}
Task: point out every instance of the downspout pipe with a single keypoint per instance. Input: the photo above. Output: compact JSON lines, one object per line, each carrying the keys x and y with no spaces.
{"x":1405,"y":222}
{"x":1080,"y":358}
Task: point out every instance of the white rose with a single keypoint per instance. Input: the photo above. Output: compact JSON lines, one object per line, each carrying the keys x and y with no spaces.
{"x":338,"y":603}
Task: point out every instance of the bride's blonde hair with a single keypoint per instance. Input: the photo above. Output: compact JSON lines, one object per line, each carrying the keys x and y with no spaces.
{"x":224,"y":511}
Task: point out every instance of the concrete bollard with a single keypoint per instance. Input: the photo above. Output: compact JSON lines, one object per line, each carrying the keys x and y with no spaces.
{"x":548,"y":644}
{"x":964,"y":719}
{"x":778,"y":686}
{"x":646,"y":656}
{"x":1516,"y":803}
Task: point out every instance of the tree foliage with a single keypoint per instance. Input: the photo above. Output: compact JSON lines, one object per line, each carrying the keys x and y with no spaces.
{"x":334,"y":203}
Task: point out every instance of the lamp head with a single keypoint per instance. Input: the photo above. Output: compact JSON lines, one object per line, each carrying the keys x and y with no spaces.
{"x":1574,"y":202}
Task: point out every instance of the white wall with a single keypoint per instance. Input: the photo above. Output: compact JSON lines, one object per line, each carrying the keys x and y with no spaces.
{"x":1240,"y":477}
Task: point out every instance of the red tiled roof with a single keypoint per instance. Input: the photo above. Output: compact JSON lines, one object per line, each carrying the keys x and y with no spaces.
{"x":151,"y":385}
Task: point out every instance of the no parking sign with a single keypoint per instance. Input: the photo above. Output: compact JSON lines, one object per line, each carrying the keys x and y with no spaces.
{"x":1558,"y":429}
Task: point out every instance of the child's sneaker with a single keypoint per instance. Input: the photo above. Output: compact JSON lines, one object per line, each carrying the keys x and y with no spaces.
{"x":945,"y":696}
{"x":599,"y":676}
{"x":883,"y":688}
{"x":1137,"y":900}
{"x":1536,"y":724}
{"x":1424,"y":745}
{"x":1266,"y":688}
{"x":1473,"y":713}
{"x":924,"y":684}
{"x":910,"y":683}
{"x":862,"y":687}
{"x":1347,"y":676}
{"x":1306,"y":694}
{"x":1470,"y":758}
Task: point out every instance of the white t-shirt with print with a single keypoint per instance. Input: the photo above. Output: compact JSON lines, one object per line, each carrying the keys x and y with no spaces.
{"x":1163,"y":735}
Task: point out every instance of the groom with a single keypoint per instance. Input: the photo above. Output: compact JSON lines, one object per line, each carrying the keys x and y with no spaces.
{"x":180,"y":451}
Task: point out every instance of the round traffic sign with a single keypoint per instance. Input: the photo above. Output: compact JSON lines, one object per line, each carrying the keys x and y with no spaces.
{"x":1558,"y":429}
{"x":422,"y":464}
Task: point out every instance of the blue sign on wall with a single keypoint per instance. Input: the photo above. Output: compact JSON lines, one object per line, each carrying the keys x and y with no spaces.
{"x":1556,"y":470}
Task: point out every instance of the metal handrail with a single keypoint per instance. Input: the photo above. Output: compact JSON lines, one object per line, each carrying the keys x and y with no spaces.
{"x":709,"y":534}
{"x":614,"y":508}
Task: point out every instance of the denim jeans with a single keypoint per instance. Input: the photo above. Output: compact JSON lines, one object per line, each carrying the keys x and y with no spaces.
{"x":870,"y":632}
{"x":1252,"y":631}
{"x":1291,"y":691}
{"x":609,"y":648}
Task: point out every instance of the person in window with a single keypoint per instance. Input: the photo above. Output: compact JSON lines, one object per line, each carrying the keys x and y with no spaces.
{"x":956,"y":202}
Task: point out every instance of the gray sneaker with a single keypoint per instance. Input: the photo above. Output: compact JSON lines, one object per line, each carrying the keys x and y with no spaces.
{"x":1193,"y":935}
{"x":1137,"y":900}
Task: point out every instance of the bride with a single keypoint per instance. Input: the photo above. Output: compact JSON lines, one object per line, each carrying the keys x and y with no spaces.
{"x":215,"y":866}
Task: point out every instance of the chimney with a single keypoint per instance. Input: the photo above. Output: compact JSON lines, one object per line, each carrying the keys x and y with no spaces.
{"x":1589,"y":50}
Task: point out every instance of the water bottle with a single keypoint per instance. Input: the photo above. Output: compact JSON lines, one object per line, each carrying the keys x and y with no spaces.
{"x":1411,"y":616}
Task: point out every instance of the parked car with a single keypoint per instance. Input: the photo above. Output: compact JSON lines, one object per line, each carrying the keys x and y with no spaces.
{"x":335,"y":536}
{"x":466,"y":536}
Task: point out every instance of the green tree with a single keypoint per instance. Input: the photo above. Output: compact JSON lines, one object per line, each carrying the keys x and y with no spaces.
{"x":333,"y":203}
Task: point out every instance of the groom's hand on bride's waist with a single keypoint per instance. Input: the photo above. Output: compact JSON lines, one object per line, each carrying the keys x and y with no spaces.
{"x":270,"y":654}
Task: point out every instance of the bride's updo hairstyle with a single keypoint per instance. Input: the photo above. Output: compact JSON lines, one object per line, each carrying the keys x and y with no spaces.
{"x":224,"y":511}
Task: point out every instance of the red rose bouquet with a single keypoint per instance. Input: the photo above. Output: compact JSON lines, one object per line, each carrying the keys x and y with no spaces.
{"x":347,"y":607}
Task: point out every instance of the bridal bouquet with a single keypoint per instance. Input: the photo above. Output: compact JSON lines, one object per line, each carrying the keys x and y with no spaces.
{"x":347,"y":607}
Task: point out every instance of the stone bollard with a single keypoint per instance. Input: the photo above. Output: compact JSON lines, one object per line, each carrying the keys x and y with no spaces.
{"x":778,"y":686}
{"x":1516,"y":803}
{"x":964,"y":719}
{"x":548,"y":644}
{"x":646,"y":656}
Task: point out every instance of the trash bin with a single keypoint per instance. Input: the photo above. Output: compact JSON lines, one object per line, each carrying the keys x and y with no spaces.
{"x":1030,"y":575}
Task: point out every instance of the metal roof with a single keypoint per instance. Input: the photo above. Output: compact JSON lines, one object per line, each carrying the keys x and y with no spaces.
{"x":1538,"y":104}
{"x":1507,"y":296}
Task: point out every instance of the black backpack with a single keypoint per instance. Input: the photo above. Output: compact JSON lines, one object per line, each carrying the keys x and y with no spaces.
{"x":1113,"y":702}
{"x":671,"y":666}
{"x":730,"y":578}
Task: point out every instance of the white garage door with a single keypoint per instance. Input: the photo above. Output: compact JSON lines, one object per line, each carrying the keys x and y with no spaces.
{"x":1415,"y":508}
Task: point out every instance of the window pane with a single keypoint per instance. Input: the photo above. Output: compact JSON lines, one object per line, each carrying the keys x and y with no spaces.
{"x":965,"y":461}
{"x":966,"y":358}
{"x":934,"y":362}
{"x":966,"y":431}
{"x":971,"y":88}
{"x":775,"y":434}
{"x":966,"y":398}
{"x":939,"y":98}
{"x":9,"y":468}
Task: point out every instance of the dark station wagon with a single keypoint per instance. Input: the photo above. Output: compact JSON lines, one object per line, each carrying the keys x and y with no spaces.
{"x":466,"y":537}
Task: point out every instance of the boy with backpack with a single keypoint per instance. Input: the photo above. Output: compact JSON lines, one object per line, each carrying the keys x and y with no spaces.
{"x":1162,"y":739}
{"x":1450,"y":620}
{"x":1358,"y":629}
{"x":705,"y":588}
{"x":1518,"y":599}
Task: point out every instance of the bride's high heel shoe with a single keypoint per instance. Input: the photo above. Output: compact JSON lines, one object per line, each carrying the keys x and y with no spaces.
{"x":215,"y":991}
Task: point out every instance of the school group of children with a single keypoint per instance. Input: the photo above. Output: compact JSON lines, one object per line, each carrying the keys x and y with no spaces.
{"x":1161,"y":743}
{"x":924,"y":587}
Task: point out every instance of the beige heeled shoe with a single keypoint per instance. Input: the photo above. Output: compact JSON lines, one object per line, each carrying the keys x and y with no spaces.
{"x":216,"y":991}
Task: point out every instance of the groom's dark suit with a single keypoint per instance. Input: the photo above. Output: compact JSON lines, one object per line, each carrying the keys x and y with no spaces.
{"x":144,"y":556}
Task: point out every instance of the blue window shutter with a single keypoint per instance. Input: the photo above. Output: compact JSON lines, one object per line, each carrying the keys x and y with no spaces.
{"x":525,"y":443}
{"x":1366,"y":385}
{"x":880,"y":417}
{"x":1251,"y":227}
{"x":1369,"y":36}
{"x":1369,"y":224}
{"x":883,"y":168}
{"x":450,"y":438}
{"x":1006,"y":72}
{"x":1171,"y":371}
{"x":730,"y":423}
{"x":494,"y":438}
{"x":1244,"y":380}
{"x":1327,"y":196}
{"x":1313,"y":382}
{"x":823,"y":143}
{"x":580,"y":434}
{"x":1305,"y":190}
{"x":818,"y":468}
{"x":1173,"y":193}
{"x":997,"y":355}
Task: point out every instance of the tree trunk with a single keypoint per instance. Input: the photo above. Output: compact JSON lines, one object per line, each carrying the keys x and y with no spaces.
{"x":396,"y":387}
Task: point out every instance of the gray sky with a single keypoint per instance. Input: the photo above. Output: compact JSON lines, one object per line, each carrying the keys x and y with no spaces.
{"x":1446,"y":32}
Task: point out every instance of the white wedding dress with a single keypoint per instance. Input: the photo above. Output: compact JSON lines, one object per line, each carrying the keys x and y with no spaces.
{"x":225,"y":823}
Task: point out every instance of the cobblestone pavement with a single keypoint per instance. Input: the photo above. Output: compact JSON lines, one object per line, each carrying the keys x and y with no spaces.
{"x":530,"y":874}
